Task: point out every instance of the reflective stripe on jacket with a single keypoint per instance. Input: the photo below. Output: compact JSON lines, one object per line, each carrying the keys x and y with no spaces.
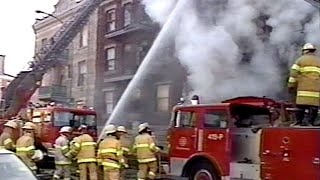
{"x":61,"y":149}
{"x":84,"y":148}
{"x":305,"y":76}
{"x":25,"y":149}
{"x":145,"y":148}
{"x":110,"y":153}
{"x":6,"y":141}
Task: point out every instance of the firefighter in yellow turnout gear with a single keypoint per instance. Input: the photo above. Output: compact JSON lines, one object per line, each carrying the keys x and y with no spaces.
{"x":110,"y":154}
{"x":146,"y":149}
{"x":83,"y":147}
{"x":25,"y":148}
{"x":6,"y":138}
{"x":305,"y":79}
{"x":62,"y":161}
{"x":125,"y":146}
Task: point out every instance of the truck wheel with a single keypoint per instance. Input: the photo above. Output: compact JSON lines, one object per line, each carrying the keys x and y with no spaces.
{"x":203,"y":171}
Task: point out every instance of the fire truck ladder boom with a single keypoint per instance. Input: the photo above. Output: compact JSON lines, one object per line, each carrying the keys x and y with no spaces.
{"x":20,"y":90}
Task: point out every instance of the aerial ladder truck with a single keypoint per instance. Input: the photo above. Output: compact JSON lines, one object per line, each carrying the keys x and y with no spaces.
{"x":20,"y":90}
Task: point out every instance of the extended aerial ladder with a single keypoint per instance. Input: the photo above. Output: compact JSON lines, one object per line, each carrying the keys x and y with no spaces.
{"x":20,"y":90}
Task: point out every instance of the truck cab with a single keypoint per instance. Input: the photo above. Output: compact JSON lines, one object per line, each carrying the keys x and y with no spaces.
{"x":241,"y":138}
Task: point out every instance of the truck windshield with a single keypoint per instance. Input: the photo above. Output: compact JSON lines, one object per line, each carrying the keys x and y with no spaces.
{"x":62,"y":118}
{"x":73,"y":120}
{"x":89,"y":120}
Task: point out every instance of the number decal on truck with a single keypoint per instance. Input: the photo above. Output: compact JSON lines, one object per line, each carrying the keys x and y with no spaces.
{"x":215,"y":137}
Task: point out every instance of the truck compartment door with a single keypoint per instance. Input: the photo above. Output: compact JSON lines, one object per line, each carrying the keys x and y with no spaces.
{"x":290,"y":153}
{"x":216,"y":138}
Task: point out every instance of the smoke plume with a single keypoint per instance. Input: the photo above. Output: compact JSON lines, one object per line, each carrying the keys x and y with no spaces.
{"x":238,"y":47}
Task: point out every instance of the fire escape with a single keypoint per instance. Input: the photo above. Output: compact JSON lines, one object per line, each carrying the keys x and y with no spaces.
{"x":20,"y":90}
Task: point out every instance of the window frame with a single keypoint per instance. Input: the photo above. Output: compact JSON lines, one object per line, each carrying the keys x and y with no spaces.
{"x":84,"y":37}
{"x":127,"y":10}
{"x":194,"y":114}
{"x":215,"y":111}
{"x":108,"y":60}
{"x":81,"y":76}
{"x":110,"y":19}
{"x":109,"y":102}
{"x":167,"y":98}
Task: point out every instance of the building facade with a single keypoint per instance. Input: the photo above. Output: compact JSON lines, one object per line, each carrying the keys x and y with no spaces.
{"x":5,"y":79}
{"x":103,"y":58}
{"x":72,"y":81}
{"x":126,"y":35}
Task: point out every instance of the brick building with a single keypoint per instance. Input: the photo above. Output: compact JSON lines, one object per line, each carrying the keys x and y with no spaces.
{"x":126,"y":35}
{"x":103,"y":58}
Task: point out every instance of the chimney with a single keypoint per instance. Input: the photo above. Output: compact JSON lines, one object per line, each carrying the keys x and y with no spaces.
{"x":2,"y":58}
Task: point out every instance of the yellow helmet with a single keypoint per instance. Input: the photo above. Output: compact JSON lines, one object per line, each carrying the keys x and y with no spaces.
{"x":29,"y":126}
{"x":110,"y":129}
{"x":11,"y":124}
{"x":121,"y":129}
{"x":308,"y":46}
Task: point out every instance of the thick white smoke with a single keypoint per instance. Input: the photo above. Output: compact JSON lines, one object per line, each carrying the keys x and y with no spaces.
{"x":212,"y":53}
{"x":159,"y":10}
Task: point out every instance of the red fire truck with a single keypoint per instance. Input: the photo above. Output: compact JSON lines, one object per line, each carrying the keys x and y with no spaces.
{"x":241,"y":138}
{"x":49,"y":120}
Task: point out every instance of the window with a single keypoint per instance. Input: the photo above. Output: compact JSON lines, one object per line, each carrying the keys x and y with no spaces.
{"x":44,"y":41}
{"x":111,"y":20}
{"x":61,"y":78}
{"x":62,"y":118}
{"x":109,"y":101}
{"x":83,"y":39}
{"x":82,"y":70}
{"x":163,"y":97}
{"x":52,"y":41}
{"x":127,"y":14}
{"x":69,"y":71}
{"x":142,"y":51}
{"x":215,"y":120}
{"x":185,"y":119}
{"x":110,"y":59}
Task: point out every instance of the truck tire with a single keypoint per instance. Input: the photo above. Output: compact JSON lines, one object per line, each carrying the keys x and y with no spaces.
{"x":203,"y":171}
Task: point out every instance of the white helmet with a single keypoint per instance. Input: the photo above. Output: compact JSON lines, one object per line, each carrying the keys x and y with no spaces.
{"x":110,"y":129}
{"x":83,"y":126}
{"x":308,"y":46}
{"x":121,"y":129}
{"x":11,"y":124}
{"x":65,"y":129}
{"x":143,"y":126}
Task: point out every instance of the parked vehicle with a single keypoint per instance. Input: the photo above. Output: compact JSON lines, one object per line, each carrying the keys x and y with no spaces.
{"x":11,"y":167}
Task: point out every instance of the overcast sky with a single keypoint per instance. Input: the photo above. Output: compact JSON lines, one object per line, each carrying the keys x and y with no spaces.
{"x":16,"y":33}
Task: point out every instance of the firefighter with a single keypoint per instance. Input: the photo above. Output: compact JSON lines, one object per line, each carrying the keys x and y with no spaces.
{"x":125,"y":145}
{"x":61,"y":159}
{"x":25,"y":146}
{"x":7,"y":137}
{"x":111,"y":154}
{"x":84,"y":148}
{"x":39,"y":148}
{"x":146,"y":149}
{"x":305,"y":81}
